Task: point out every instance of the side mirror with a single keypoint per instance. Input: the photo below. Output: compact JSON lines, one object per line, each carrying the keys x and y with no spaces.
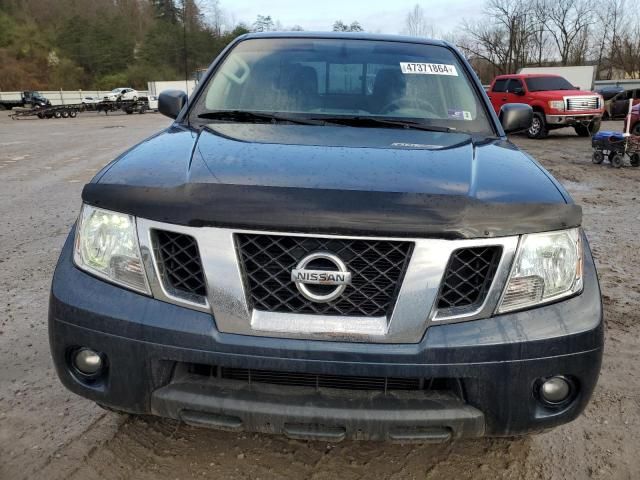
{"x":515,"y":117}
{"x":170,"y":102}
{"x":518,"y":91}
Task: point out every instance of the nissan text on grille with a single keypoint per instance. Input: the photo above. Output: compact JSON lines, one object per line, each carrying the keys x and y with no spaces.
{"x":333,"y":240}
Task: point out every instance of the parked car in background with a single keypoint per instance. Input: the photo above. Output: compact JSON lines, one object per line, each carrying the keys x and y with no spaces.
{"x":633,"y":121}
{"x":618,"y":106}
{"x":153,"y":103}
{"x":609,"y":92}
{"x":122,"y":94}
{"x":90,"y":100}
{"x":555,"y":102}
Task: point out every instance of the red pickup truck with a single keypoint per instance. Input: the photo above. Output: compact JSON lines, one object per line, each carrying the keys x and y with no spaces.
{"x":555,"y":102}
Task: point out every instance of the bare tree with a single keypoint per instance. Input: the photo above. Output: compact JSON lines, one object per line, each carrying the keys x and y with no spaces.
{"x":416,"y":23}
{"x":215,"y":16}
{"x":505,"y":37}
{"x":263,"y":24}
{"x":568,"y":22}
{"x":626,"y":48}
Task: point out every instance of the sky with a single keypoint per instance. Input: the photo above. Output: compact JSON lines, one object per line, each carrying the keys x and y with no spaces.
{"x":383,"y":16}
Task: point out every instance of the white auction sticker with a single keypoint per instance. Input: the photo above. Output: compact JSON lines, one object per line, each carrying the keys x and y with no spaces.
{"x":428,"y":69}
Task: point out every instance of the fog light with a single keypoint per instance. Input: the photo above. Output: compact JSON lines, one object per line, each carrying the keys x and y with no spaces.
{"x":87,"y":361}
{"x":555,"y":390}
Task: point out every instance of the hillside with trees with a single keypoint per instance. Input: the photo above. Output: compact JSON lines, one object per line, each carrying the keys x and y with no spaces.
{"x":69,"y":44}
{"x":99,"y":44}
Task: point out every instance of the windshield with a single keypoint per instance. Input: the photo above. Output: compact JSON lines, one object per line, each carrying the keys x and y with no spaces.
{"x":542,"y":84}
{"x":327,"y":79}
{"x":116,"y":90}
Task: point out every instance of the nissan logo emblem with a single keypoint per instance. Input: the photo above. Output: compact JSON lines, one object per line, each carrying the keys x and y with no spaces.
{"x":325,"y":269}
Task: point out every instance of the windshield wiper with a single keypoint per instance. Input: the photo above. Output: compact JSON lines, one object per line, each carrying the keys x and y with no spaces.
{"x":255,"y":117}
{"x":384,"y":122}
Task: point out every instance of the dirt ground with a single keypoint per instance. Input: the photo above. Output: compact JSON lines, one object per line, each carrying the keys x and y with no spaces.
{"x":47,"y":432}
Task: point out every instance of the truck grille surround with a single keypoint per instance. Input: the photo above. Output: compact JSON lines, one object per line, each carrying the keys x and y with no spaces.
{"x":377,"y":268}
{"x":576,"y":104}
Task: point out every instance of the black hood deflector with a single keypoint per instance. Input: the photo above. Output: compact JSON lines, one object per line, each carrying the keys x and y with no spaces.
{"x":332,"y":211}
{"x":342,"y":180}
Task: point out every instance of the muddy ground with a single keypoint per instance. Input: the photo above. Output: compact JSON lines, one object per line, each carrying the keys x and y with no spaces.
{"x":47,"y":432}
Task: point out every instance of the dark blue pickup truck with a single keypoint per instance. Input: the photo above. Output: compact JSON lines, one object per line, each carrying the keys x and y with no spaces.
{"x":334,"y":239}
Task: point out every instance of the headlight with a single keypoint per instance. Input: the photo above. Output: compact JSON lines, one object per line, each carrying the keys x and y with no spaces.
{"x":547,"y":267}
{"x":556,"y":104}
{"x":107,"y":246}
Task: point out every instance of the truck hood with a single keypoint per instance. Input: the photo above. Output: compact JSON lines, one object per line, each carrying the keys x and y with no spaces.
{"x":346,"y":180}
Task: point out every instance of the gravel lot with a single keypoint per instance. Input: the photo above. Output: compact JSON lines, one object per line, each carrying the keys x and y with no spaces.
{"x":47,"y":432}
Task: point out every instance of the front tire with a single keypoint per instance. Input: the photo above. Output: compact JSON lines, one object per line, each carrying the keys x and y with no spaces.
{"x":617,"y":160}
{"x":635,"y":160}
{"x":538,"y":128}
{"x":597,"y":158}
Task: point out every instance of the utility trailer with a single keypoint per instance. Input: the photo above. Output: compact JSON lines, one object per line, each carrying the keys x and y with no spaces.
{"x":54,"y":111}
{"x":71,"y":111}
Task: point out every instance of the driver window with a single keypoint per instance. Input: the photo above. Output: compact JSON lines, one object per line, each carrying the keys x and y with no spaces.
{"x":514,"y":83}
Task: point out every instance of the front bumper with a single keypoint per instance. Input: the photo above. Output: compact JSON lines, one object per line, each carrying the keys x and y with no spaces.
{"x":570,"y":120}
{"x":497,"y":361}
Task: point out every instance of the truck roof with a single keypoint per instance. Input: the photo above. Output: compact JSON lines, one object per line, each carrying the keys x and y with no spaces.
{"x":346,"y":36}
{"x":527,"y":75}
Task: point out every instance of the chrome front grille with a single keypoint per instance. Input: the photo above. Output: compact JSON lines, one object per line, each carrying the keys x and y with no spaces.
{"x":399,"y":287}
{"x":577,"y":104}
{"x":377,"y":268}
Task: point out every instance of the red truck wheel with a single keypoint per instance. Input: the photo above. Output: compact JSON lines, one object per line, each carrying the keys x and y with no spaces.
{"x":538,"y":128}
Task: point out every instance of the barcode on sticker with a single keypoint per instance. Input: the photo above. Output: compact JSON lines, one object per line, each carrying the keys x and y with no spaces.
{"x":428,"y":69}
